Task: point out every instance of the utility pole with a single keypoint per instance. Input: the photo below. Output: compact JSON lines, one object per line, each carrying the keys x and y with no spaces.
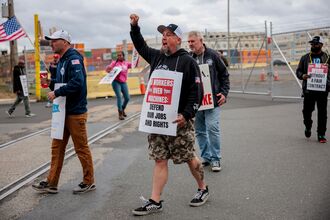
{"x":13,"y":43}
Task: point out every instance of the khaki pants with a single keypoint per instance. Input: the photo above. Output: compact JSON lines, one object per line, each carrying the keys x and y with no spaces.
{"x":75,"y":126}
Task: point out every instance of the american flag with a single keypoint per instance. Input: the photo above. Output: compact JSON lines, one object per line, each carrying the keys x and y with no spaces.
{"x":11,"y":30}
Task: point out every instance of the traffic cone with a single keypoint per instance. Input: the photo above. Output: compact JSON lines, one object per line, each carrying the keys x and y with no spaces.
{"x":142,"y":86}
{"x":262,"y":75}
{"x":276,"y":76}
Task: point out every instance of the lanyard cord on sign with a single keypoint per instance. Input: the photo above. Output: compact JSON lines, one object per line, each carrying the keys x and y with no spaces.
{"x":176,"y":64}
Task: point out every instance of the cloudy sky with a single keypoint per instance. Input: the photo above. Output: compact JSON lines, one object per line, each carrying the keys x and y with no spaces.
{"x":105,"y":23}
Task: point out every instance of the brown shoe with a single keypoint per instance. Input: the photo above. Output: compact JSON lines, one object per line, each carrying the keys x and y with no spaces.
{"x":120,"y":115}
{"x":124,"y":113}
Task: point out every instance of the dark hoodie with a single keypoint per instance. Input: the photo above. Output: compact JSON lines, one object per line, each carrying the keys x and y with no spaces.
{"x":71,"y":70}
{"x":191,"y":89}
{"x":303,"y":68}
{"x":218,"y":73}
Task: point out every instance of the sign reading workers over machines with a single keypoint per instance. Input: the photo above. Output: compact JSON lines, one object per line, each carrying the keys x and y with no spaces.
{"x":318,"y":75}
{"x":108,"y":79}
{"x":161,"y":103}
{"x":207,"y":102}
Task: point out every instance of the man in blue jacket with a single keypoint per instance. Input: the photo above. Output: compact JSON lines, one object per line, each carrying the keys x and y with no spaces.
{"x":181,"y":147}
{"x":70,"y":70}
{"x":207,"y":123}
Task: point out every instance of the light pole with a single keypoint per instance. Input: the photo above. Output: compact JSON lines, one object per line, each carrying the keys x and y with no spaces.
{"x":13,"y":43}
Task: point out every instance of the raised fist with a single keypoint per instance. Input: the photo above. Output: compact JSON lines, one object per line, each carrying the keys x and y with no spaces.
{"x":134,"y":19}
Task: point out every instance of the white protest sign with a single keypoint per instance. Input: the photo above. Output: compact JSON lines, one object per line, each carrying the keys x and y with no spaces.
{"x":135,"y":58}
{"x":161,"y":103}
{"x":24,"y":84}
{"x":108,"y":79}
{"x":207,"y":102}
{"x":58,"y":115}
{"x":318,"y":75}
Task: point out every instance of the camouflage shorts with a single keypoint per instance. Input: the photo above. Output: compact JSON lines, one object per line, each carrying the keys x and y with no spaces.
{"x":179,"y":148}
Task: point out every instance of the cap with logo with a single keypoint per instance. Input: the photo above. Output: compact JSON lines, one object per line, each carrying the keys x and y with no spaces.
{"x":172,"y":27}
{"x":316,"y":40}
{"x":61,"y":34}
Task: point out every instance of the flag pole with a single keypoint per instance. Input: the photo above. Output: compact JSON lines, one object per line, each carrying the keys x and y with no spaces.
{"x":41,"y":59}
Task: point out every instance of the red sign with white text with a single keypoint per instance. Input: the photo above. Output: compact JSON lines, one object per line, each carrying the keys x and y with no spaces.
{"x":160,"y":91}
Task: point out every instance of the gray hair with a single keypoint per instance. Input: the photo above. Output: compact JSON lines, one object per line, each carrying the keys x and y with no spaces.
{"x":197,"y":34}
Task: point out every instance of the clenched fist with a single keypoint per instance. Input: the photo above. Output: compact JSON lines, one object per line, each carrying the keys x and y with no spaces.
{"x":134,"y":19}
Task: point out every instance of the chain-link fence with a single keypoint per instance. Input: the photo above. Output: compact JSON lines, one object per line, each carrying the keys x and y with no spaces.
{"x":260,"y":62}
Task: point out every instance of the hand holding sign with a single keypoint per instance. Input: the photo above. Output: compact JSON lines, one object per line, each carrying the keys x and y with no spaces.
{"x":180,"y":120}
{"x":108,"y":79}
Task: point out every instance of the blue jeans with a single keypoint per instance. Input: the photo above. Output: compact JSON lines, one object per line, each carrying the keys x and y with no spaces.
{"x":207,"y":126}
{"x":119,"y":88}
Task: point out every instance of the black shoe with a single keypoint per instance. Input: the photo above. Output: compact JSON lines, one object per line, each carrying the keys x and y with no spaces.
{"x":308,"y":132}
{"x":82,"y":188}
{"x":149,"y":207}
{"x":200,"y":197}
{"x":322,"y":139}
{"x":206,"y":163}
{"x":44,"y":187}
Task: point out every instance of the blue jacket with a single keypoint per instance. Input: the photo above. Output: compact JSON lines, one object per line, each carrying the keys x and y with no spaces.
{"x":71,"y":70}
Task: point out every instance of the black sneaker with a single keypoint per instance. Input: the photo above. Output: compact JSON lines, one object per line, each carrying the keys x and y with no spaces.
{"x":206,"y":163}
{"x":10,"y":114}
{"x":150,"y":206}
{"x":82,"y":188}
{"x":200,"y":197}
{"x":44,"y":187}
{"x":308,"y":132}
{"x":322,"y":139}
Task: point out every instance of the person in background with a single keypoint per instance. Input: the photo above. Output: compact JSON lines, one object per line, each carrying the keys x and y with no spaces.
{"x":179,"y":148}
{"x":223,"y":58}
{"x":71,"y":71}
{"x":19,"y":70}
{"x":52,"y":70}
{"x":119,"y":84}
{"x":315,"y":56}
{"x":207,"y":122}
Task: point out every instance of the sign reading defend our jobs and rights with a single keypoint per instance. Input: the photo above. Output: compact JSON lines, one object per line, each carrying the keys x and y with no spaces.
{"x":108,"y":79}
{"x":207,"y":102}
{"x":161,"y":103}
{"x":318,"y":75}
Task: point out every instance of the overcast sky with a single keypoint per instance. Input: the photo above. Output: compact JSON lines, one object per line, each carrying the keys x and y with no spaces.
{"x":105,"y":23}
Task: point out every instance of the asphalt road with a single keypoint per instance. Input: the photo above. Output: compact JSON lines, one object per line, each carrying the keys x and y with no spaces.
{"x":270,"y":171}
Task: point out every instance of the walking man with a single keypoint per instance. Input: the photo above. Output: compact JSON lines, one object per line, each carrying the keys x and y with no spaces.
{"x":70,"y":70}
{"x":207,"y":123}
{"x":313,"y":92}
{"x":179,"y":148}
{"x":19,"y":71}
